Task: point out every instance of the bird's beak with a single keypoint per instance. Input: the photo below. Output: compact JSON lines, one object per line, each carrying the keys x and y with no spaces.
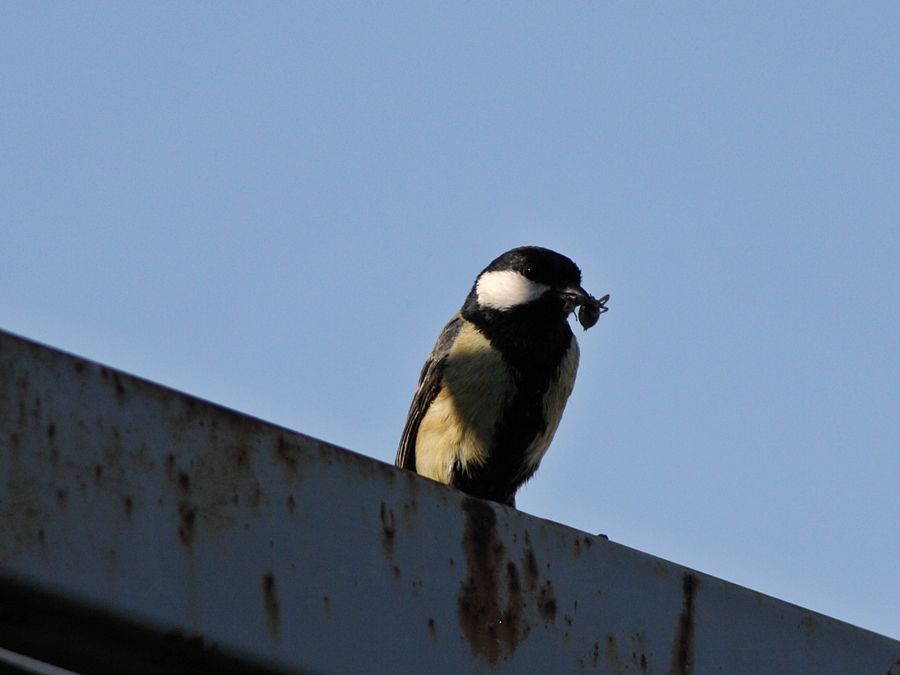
{"x":575,"y":296}
{"x":590,"y":308}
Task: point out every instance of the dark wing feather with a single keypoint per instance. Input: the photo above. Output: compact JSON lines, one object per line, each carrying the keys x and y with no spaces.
{"x":429,"y":386}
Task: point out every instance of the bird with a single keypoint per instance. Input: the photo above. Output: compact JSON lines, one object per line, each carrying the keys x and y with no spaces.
{"x":492,"y":392}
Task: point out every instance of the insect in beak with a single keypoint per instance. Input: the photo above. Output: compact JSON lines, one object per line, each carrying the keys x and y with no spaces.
{"x":591,"y":310}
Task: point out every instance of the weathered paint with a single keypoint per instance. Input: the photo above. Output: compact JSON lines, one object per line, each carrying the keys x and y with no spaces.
{"x":163,"y":510}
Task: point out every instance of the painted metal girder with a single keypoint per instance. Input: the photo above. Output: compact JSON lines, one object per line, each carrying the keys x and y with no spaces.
{"x":143,"y":505}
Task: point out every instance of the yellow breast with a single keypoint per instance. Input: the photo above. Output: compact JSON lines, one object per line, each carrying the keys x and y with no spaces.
{"x":459,"y":424}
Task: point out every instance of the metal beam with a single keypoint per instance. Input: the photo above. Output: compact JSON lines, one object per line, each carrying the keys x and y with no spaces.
{"x":130,"y":509}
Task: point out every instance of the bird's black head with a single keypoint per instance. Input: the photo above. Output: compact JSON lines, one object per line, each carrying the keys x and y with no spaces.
{"x":528,"y":281}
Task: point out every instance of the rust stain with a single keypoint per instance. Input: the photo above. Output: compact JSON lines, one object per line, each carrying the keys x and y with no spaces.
{"x":612,"y":653}
{"x":500,"y":598}
{"x":494,"y":625}
{"x":409,"y":510}
{"x":513,"y":628}
{"x":432,"y":629}
{"x":187,"y":521}
{"x":807,"y":624}
{"x":184,"y":483}
{"x":242,"y":457}
{"x":271,"y":604}
{"x":683,"y":645}
{"x":660,"y":573}
{"x":513,"y":598}
{"x":478,"y":604}
{"x":531,"y":565}
{"x":21,"y":396}
{"x":37,"y":411}
{"x":288,"y":454}
{"x":387,"y":472}
{"x":291,"y":504}
{"x":128,"y":503}
{"x":216,"y":485}
{"x":639,"y":649}
{"x":121,"y":394}
{"x":326,"y":605}
{"x":547,"y":602}
{"x":388,"y":530}
{"x":62,"y":498}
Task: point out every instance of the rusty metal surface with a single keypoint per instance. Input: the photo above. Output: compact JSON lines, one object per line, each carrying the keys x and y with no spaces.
{"x":168,"y":510}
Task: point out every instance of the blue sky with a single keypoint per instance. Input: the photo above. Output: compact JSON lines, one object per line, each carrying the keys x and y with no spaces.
{"x":277,"y":206}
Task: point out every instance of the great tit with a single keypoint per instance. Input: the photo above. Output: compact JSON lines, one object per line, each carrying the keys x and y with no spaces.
{"x":493,"y":390}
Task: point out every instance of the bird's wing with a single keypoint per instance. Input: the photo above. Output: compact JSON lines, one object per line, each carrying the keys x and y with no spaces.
{"x":429,"y":386}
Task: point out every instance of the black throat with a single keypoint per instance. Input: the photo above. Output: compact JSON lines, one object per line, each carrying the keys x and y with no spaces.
{"x":532,"y":338}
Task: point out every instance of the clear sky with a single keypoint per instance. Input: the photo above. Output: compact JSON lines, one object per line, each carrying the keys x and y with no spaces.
{"x":276,"y":206}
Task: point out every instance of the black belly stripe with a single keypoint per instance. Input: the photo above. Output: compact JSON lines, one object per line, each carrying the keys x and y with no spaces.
{"x":533,"y":350}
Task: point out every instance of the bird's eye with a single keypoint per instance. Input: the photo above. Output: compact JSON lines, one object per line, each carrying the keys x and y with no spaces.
{"x":528,"y":271}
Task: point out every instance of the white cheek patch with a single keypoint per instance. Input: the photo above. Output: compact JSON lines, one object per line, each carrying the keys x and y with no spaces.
{"x":506,"y":289}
